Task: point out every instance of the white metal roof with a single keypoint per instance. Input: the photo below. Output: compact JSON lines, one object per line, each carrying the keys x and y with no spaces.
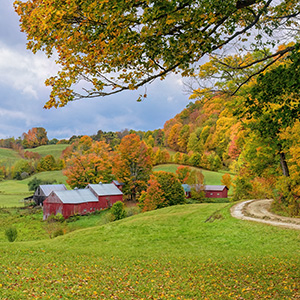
{"x":48,"y":188}
{"x":76,"y":196}
{"x":105,"y":189}
{"x":214,"y":187}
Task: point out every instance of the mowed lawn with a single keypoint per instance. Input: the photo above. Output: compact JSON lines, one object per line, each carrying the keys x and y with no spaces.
{"x":171,"y":253}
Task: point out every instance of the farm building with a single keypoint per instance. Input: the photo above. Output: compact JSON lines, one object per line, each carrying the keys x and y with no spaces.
{"x":68,"y":203}
{"x":107,"y":193}
{"x":211,"y":191}
{"x":216,"y":191}
{"x":81,"y":201}
{"x":187,"y":190}
{"x":43,"y":191}
{"x":118,"y":184}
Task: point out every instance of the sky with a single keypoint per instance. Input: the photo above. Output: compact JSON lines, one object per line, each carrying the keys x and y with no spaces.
{"x":23,"y":95}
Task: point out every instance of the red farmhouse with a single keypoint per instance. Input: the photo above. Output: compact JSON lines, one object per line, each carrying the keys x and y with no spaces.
{"x":81,"y":201}
{"x":216,"y":191}
{"x":107,"y":193}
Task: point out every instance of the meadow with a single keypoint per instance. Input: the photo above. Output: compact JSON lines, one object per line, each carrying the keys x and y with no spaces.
{"x":8,"y":157}
{"x":195,"y":251}
{"x":54,"y":150}
{"x":210,"y":177}
{"x":171,"y":253}
{"x":12,"y":192}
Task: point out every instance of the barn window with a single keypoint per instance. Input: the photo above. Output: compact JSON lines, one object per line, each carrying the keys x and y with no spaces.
{"x":211,"y":194}
{"x":218,"y":194}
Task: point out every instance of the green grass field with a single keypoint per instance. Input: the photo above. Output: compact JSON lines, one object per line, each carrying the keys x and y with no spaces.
{"x":171,"y":253}
{"x":12,"y":192}
{"x":55,"y":150}
{"x":8,"y":157}
{"x":210,"y":177}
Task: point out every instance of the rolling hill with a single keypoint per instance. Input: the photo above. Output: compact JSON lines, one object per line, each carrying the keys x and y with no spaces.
{"x":171,"y":253}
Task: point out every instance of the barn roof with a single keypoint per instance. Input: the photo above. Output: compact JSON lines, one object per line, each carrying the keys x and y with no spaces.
{"x":186,"y":187}
{"x":116,"y":182}
{"x":104,"y":189}
{"x":76,"y":196}
{"x":48,"y":188}
{"x":218,"y":188}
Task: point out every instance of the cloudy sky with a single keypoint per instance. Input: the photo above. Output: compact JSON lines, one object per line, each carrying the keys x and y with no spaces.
{"x":23,"y":95}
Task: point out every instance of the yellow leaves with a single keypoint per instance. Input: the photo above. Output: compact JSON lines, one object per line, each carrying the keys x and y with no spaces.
{"x":170,"y":20}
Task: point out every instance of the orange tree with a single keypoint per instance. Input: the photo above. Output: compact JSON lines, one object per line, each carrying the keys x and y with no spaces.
{"x":133,"y":164}
{"x":164,"y":189}
{"x":36,"y":136}
{"x":121,"y":45}
{"x":88,"y":163}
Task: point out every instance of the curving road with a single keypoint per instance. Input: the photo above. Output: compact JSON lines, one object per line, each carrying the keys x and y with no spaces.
{"x":259,"y":211}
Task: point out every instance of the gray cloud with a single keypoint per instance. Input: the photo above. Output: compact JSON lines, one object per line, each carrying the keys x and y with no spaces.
{"x":23,"y":95}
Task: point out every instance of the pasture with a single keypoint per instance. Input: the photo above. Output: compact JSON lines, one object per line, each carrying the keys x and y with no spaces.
{"x":210,"y":177}
{"x":12,"y":192}
{"x":55,"y":150}
{"x":171,"y":253}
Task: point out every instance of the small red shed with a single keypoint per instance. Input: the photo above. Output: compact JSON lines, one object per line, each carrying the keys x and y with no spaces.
{"x":216,"y":191}
{"x":68,"y":203}
{"x":106,"y":193}
{"x":118,"y":184}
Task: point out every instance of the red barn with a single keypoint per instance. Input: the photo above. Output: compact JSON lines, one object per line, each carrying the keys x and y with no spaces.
{"x":106,"y":193}
{"x":216,"y":191}
{"x":81,"y":201}
{"x":69,"y":203}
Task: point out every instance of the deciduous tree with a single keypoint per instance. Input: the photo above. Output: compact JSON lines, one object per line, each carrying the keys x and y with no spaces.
{"x":133,"y":164}
{"x":89,"y":165}
{"x":121,"y":45}
{"x":164,"y":189}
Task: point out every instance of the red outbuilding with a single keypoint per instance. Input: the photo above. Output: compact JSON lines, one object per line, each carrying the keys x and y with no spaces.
{"x":69,"y":203}
{"x":81,"y":201}
{"x":107,"y":193}
{"x":216,"y":191}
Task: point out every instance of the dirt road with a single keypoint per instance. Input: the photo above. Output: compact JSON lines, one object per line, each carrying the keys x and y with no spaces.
{"x":259,"y":211}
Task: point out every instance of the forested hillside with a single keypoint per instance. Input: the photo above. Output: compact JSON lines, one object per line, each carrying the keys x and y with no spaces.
{"x":253,"y":132}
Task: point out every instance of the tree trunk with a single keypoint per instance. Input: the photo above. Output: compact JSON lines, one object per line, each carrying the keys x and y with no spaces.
{"x":284,"y":166}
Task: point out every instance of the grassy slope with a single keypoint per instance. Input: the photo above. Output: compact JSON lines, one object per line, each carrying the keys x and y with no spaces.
{"x":8,"y":156}
{"x":210,"y":177}
{"x":54,"y":150}
{"x":166,"y":254}
{"x":13,"y":191}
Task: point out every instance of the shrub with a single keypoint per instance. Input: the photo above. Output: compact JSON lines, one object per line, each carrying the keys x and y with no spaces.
{"x":34,"y":183}
{"x":131,"y":211}
{"x":11,"y":234}
{"x":58,"y":232}
{"x":118,"y":211}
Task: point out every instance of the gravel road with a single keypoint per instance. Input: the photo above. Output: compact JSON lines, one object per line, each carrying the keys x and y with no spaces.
{"x":259,"y":211}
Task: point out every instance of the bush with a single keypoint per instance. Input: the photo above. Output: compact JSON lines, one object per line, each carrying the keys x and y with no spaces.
{"x":58,"y":232}
{"x":34,"y":183}
{"x":118,"y":211}
{"x":131,"y":211}
{"x":11,"y":234}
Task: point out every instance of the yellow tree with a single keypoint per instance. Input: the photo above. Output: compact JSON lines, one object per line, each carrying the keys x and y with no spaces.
{"x":121,"y":45}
